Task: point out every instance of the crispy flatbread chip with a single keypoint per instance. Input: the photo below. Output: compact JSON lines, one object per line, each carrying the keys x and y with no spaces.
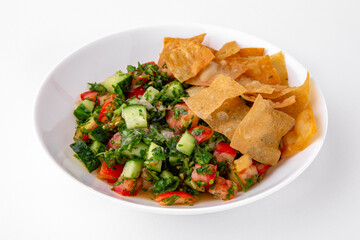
{"x":278,"y":61}
{"x":274,"y":104}
{"x":192,"y":91}
{"x":227,"y":117}
{"x":227,"y":50}
{"x":251,"y":52}
{"x":302,"y":94}
{"x":298,"y":138}
{"x":260,"y":132}
{"x":253,"y":86}
{"x":211,"y":98}
{"x":262,"y":70}
{"x":185,"y":57}
{"x":232,"y":66}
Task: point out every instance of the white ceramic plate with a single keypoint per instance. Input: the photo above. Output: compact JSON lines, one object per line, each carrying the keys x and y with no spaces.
{"x":56,"y":100}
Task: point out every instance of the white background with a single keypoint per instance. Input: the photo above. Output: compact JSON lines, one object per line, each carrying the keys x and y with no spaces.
{"x":38,"y":201}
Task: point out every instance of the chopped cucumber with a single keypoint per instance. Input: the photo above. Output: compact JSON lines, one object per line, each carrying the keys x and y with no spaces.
{"x":123,"y":80}
{"x":135,"y":116}
{"x":85,"y":154}
{"x":132,"y":168}
{"x":154,"y":158}
{"x":99,"y":134}
{"x":150,"y":94}
{"x":166,"y":174}
{"x":84,"y":110}
{"x":148,"y":98}
{"x":173,"y":90}
{"x":138,"y":151}
{"x":97,"y":147}
{"x":186,"y":143}
{"x":176,"y":158}
{"x":133,"y":101}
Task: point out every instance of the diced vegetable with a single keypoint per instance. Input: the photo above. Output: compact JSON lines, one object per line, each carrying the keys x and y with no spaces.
{"x":107,"y":107}
{"x":135,"y":116}
{"x":154,"y":158}
{"x":175,"y":197}
{"x":223,"y":189}
{"x":115,"y":141}
{"x":173,"y":90}
{"x":85,"y":154}
{"x":180,"y":118}
{"x":91,"y":95}
{"x":138,"y":151}
{"x":127,"y":186}
{"x":133,"y":168}
{"x":123,"y":80}
{"x":98,"y":134}
{"x":111,"y":175}
{"x":201,"y":133}
{"x":97,"y":147}
{"x":204,"y":173}
{"x":224,"y":152}
{"x":186,"y":144}
{"x":84,"y":110}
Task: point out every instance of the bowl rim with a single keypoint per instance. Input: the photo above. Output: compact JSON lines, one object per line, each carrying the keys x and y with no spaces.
{"x":170,"y":210}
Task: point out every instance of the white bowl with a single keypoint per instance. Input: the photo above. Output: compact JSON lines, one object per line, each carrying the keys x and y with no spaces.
{"x":57,"y":99}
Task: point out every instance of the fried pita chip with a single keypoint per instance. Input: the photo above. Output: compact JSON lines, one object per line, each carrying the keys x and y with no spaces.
{"x":251,"y":52}
{"x":175,"y":42}
{"x":262,"y":70}
{"x":302,"y":94}
{"x":278,"y":61}
{"x":186,"y":58}
{"x":298,"y":138}
{"x":211,"y":98}
{"x":253,"y":86}
{"x":227,"y":50}
{"x":274,"y":104}
{"x":192,"y":91}
{"x":227,"y":117}
{"x":232,"y":66}
{"x":260,"y":132}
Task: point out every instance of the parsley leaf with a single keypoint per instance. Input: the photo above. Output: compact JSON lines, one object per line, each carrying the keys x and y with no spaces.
{"x":205,"y":170}
{"x":166,"y":185}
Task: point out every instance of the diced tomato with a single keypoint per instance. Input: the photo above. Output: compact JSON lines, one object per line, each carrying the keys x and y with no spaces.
{"x":206,"y":178}
{"x":224,"y":152}
{"x":141,"y":79}
{"x":223,"y":189}
{"x":115,"y":141}
{"x":137,"y":92}
{"x":127,"y":186}
{"x":175,"y":197}
{"x":107,"y":173}
{"x":180,"y":121}
{"x":85,"y":137}
{"x":201,"y":133}
{"x":107,"y":107}
{"x":89,"y":95}
{"x":261,"y":168}
{"x":248,"y":173}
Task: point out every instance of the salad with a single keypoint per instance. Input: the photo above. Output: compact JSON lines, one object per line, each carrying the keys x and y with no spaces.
{"x":178,"y":136}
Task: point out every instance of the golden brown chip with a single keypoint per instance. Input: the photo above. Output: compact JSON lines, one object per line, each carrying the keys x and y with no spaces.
{"x":253,"y":86}
{"x":211,"y":98}
{"x":298,"y":138}
{"x":262,"y":70}
{"x":186,"y":59}
{"x":301,"y":94}
{"x":227,"y":50}
{"x":274,"y":104}
{"x":278,"y":61}
{"x":227,"y":117}
{"x":251,"y":52}
{"x":232,"y":66}
{"x":192,"y":91}
{"x":260,"y":132}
